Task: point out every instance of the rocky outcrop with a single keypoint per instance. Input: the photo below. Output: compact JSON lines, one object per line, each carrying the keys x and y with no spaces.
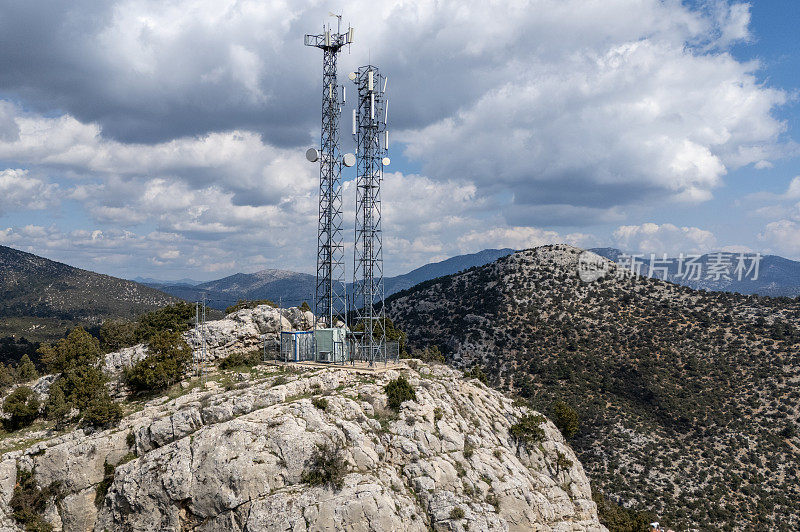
{"x":238,"y":332}
{"x":233,"y":459}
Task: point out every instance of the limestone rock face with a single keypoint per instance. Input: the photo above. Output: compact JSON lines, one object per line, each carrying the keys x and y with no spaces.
{"x":216,"y":459}
{"x":239,"y":332}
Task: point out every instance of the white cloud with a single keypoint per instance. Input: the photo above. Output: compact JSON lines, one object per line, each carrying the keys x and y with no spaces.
{"x":19,"y":190}
{"x":184,"y":122}
{"x":665,"y":238}
{"x":783,"y":237}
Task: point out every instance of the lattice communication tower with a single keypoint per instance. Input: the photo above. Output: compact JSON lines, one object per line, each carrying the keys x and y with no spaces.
{"x":330,"y":297}
{"x":372,"y":140}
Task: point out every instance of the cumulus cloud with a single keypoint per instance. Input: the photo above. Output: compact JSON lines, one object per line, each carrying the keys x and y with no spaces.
{"x":665,"y":238}
{"x":188,"y":120}
{"x":782,"y":236}
{"x":19,"y":190}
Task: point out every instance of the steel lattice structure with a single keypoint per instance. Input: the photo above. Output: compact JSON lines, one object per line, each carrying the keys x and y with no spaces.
{"x":372,"y":140}
{"x":330,"y":297}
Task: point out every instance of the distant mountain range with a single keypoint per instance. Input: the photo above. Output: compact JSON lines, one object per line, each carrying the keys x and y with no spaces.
{"x":41,"y":298}
{"x":772,"y":275}
{"x":292,"y":288}
{"x":151,"y":280}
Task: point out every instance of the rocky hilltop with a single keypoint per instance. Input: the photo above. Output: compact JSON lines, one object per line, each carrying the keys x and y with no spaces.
{"x":240,"y":450}
{"x":684,"y":396}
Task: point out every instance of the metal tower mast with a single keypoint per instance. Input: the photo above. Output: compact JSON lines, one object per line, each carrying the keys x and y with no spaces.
{"x":329,"y":300}
{"x":372,"y":139}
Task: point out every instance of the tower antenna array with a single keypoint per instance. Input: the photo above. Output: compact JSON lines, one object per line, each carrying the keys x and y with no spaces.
{"x":372,"y":139}
{"x":329,"y":299}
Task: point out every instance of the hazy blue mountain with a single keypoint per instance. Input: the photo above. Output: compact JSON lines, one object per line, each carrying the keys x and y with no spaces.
{"x":149,"y":281}
{"x":292,"y":288}
{"x":776,"y":277}
{"x":446,"y":267}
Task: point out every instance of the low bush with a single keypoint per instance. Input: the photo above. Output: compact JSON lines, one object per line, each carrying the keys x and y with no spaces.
{"x":102,"y":487}
{"x":476,"y":373}
{"x":618,"y":518}
{"x":528,"y":430}
{"x":325,"y":467}
{"x":566,"y":419}
{"x":23,"y":407}
{"x":175,"y":319}
{"x":320,"y":402}
{"x":457,"y":513}
{"x":398,"y":391}
{"x":29,"y":502}
{"x":241,"y":360}
{"x":168,"y":359}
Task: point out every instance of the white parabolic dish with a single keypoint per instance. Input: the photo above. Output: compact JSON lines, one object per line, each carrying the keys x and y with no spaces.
{"x":312,"y":154}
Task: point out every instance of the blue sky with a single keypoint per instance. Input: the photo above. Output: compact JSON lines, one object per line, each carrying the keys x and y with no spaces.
{"x":166,"y":139}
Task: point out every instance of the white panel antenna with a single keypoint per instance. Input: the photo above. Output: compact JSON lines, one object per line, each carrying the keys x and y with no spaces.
{"x":354,"y":121}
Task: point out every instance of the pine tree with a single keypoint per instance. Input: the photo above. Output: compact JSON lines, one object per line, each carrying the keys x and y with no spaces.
{"x":26,"y":370}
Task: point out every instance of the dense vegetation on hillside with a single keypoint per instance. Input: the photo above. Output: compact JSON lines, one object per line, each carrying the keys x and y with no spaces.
{"x":41,"y":299}
{"x":687,"y":400}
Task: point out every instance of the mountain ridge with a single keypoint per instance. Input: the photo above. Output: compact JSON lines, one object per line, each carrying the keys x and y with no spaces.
{"x":43,"y":298}
{"x":683,"y":395}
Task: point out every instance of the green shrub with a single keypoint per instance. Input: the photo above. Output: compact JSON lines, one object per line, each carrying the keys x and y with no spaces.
{"x":562,"y":462}
{"x":29,"y":502}
{"x":81,"y":382}
{"x":469,"y":450}
{"x":397,"y":391}
{"x":175,"y":318}
{"x":79,"y":348}
{"x":476,"y":373}
{"x":457,"y":513}
{"x":326,"y":466}
{"x":102,"y":487}
{"x":6,"y":377}
{"x":304,"y":307}
{"x":429,"y":354}
{"x":618,"y":518}
{"x":116,"y":334}
{"x":390,"y":332}
{"x":23,"y":407}
{"x":241,"y":360}
{"x":102,"y":412}
{"x":168,"y":359}
{"x":245,"y":303}
{"x":26,"y":370}
{"x":566,"y":419}
{"x":57,"y":408}
{"x":320,"y":402}
{"x":527,"y":429}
